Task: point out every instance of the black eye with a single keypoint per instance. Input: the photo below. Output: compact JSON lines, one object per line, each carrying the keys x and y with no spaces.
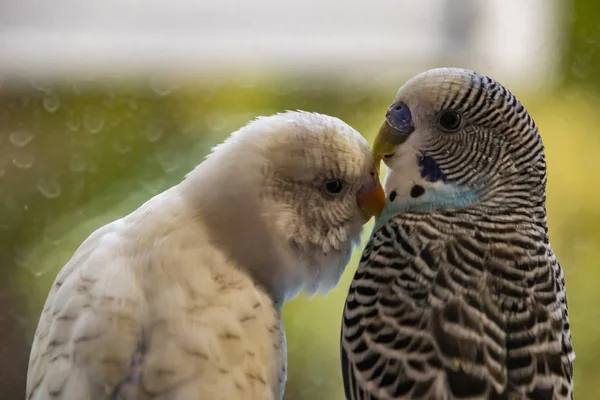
{"x":333,"y":187}
{"x":450,"y":121}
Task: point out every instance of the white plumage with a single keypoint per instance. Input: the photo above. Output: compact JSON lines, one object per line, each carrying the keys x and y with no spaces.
{"x":181,"y":299}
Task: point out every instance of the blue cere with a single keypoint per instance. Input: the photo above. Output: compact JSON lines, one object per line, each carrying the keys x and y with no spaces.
{"x":400,"y":118}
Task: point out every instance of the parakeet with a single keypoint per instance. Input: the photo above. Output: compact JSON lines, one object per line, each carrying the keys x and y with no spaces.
{"x":181,"y":299}
{"x":458,"y":293}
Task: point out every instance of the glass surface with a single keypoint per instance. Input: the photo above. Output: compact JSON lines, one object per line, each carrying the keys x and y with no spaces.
{"x":104,"y":104}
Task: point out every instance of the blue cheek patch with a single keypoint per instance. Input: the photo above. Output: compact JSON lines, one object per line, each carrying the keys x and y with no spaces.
{"x":430,"y":170}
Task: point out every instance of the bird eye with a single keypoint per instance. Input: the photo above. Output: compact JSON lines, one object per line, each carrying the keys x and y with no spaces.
{"x":400,"y":118}
{"x":450,"y":121}
{"x":333,"y":187}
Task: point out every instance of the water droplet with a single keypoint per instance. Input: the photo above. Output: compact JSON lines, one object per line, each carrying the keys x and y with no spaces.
{"x":21,"y":138}
{"x":40,"y":85}
{"x":51,"y":102}
{"x":94,"y":119}
{"x":123,"y":147}
{"x":154,"y":133}
{"x":167,"y":160}
{"x":188,"y":129}
{"x":77,"y":163}
{"x":161,"y":85}
{"x":53,"y":233}
{"x":23,"y":161}
{"x":49,"y":188}
{"x":73,"y":122}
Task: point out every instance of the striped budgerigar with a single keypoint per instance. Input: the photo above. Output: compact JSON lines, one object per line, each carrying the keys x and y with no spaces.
{"x":458,"y":293}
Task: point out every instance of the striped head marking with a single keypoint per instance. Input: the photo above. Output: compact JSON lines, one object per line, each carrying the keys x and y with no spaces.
{"x":453,"y":138}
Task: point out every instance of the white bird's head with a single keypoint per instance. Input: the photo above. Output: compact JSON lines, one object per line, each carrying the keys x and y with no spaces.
{"x":286,"y":196}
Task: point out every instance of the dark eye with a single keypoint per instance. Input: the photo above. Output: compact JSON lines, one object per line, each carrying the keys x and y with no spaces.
{"x":333,"y":187}
{"x":450,"y":121}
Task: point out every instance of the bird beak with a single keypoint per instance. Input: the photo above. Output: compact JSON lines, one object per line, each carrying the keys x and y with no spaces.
{"x":386,"y":141}
{"x":371,"y":197}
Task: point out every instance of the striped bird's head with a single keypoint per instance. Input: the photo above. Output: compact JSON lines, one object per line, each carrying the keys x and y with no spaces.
{"x":454,"y":138}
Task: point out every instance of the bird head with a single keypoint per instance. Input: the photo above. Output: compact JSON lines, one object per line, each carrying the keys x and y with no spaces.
{"x":454,"y":138}
{"x":299,"y":187}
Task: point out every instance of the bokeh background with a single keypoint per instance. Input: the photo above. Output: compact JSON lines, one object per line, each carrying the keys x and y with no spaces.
{"x":104,"y":104}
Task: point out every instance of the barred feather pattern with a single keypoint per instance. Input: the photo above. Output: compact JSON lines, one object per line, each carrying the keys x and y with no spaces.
{"x":466,"y":303}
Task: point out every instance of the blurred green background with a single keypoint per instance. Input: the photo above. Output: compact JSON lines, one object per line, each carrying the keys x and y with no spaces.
{"x":77,"y":152}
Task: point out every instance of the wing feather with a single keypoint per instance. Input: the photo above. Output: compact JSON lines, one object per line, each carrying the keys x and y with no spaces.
{"x":450,"y":316}
{"x":146,"y":311}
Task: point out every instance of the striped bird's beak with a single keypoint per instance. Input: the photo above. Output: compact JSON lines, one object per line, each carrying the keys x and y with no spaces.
{"x":386,"y":141}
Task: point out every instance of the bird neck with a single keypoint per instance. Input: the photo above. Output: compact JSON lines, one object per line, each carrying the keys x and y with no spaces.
{"x":510,"y":201}
{"x":227,"y":203}
{"x":520,"y":194}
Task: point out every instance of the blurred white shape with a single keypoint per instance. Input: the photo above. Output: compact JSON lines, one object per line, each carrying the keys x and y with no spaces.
{"x":162,"y":86}
{"x":23,"y":160}
{"x":168,"y":160}
{"x":49,"y":188}
{"x":154,"y":133}
{"x":122,"y":146}
{"x":51,"y":102}
{"x":20,"y":138}
{"x":94,"y":119}
{"x":39,"y":84}
{"x":73,"y":122}
{"x":375,"y":39}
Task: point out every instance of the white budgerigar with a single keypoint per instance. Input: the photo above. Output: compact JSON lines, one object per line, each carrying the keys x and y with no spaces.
{"x":181,"y":299}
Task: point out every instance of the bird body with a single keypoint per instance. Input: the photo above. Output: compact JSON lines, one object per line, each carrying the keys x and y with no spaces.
{"x":168,"y":298}
{"x":458,"y":293}
{"x":181,"y":299}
